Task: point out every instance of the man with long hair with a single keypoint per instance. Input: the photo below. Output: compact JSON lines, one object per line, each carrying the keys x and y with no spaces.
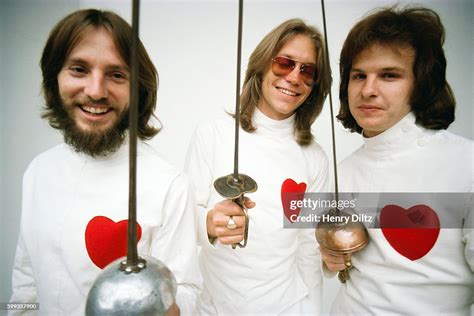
{"x":75,"y":195}
{"x":394,"y":92}
{"x":286,"y":83}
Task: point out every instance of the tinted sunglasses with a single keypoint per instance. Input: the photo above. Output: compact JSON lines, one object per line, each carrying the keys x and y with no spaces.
{"x":282,"y":66}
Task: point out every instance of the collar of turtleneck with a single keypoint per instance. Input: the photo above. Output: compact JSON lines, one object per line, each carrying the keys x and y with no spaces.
{"x":401,"y":134}
{"x":266,"y":125}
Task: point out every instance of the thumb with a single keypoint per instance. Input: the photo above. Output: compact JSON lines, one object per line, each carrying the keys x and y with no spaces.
{"x":248,"y":203}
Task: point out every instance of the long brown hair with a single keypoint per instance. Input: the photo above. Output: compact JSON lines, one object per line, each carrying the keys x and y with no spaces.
{"x":259,"y":63}
{"x":432,"y":100}
{"x":65,"y":36}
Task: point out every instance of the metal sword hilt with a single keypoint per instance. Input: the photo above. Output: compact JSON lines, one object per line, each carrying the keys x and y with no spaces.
{"x":343,"y":275}
{"x":234,"y":188}
{"x":342,"y":238}
{"x":240,"y":202}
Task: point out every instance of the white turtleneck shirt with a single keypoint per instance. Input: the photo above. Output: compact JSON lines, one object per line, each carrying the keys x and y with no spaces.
{"x":72,"y":204}
{"x":409,"y":158}
{"x":279,"y":267}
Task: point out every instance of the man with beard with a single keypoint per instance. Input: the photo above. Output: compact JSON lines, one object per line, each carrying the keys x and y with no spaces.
{"x":75,"y":195}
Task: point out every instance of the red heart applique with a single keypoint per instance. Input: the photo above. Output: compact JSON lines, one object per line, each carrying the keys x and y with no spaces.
{"x":412,"y":232}
{"x":287,"y":199}
{"x":106,"y":240}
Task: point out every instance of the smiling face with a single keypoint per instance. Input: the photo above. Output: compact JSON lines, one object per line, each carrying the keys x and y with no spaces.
{"x":94,"y":82}
{"x":380,"y":86}
{"x":94,"y":88}
{"x":282,"y":95}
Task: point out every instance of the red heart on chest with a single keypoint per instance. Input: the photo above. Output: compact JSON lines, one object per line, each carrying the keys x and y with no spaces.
{"x":106,"y":240}
{"x":412,"y":232}
{"x":289,"y":197}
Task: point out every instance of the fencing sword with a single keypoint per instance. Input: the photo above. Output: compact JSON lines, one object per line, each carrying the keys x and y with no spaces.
{"x":339,"y":237}
{"x":235,"y":185}
{"x":133,"y":285}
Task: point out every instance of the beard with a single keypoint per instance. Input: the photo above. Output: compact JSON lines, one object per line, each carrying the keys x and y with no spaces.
{"x":93,"y":143}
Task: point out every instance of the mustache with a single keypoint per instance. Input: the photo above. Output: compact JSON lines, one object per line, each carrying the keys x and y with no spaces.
{"x":88,"y":101}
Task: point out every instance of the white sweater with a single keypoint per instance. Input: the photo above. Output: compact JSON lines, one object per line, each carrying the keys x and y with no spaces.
{"x":279,"y":267}
{"x":63,"y":191}
{"x":409,"y":158}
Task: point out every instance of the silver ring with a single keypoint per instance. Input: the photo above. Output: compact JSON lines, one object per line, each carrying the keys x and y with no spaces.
{"x":231,"y":223}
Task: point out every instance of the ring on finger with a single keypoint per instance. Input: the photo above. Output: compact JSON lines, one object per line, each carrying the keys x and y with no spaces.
{"x":231,"y":223}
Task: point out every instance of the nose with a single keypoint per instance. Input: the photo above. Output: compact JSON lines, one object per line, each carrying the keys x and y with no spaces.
{"x":370,"y":87}
{"x":96,"y":87}
{"x":293,"y":76}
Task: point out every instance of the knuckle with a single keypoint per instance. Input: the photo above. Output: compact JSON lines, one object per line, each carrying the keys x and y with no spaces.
{"x":226,"y":240}
{"x":220,"y":231}
{"x":223,"y":240}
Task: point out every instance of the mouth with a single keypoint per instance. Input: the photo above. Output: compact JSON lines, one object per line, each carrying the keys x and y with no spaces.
{"x":95,"y":110}
{"x":288,"y":92}
{"x":369,"y":108}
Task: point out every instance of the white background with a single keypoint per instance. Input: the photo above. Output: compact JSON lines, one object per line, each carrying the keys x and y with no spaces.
{"x":193,"y":45}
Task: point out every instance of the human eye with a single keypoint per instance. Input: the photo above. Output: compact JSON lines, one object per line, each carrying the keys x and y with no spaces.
{"x":77,"y":70}
{"x":284,"y":62}
{"x":390,"y":75}
{"x":119,"y":76}
{"x":357,"y":76}
{"x":309,"y":70}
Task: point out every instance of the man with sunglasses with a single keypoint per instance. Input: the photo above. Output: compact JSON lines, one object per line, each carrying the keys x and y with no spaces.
{"x":394,"y":92}
{"x":285,"y":86}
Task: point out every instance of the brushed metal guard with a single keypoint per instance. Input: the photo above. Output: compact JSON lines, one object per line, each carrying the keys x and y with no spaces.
{"x":358,"y":239}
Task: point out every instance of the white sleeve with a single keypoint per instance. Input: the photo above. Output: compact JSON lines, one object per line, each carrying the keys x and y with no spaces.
{"x":468,"y":228}
{"x":198,"y":167}
{"x":468,"y":236}
{"x":308,"y":262}
{"x":468,"y":239}
{"x":23,"y":281}
{"x":309,"y":258}
{"x":175,"y":243}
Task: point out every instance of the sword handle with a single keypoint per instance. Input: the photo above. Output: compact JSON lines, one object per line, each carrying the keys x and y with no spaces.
{"x":343,"y":275}
{"x":240,"y":202}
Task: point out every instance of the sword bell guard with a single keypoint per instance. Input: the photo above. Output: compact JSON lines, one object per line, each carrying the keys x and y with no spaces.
{"x":231,"y":187}
{"x":342,"y":238}
{"x":149,"y":290}
{"x":234,"y":188}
